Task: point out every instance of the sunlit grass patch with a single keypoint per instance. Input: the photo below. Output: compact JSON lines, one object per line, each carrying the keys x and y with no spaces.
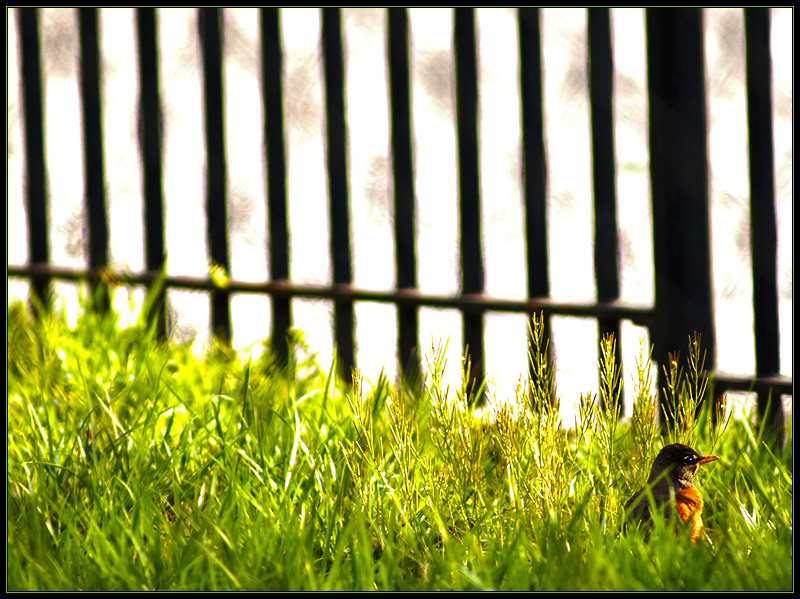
{"x":134,"y":465}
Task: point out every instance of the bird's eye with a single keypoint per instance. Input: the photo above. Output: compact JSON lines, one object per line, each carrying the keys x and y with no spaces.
{"x":689,"y":459}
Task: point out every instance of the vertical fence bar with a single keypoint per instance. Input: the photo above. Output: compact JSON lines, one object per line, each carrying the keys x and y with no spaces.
{"x":272,"y":90}
{"x":679,"y":183}
{"x":606,"y":238}
{"x":534,"y":157}
{"x":94,"y":169}
{"x":337,"y":183}
{"x":764,"y":233}
{"x":150,"y":143}
{"x":210,"y":26}
{"x":404,"y":194}
{"x":472,"y":272}
{"x":533,"y":151}
{"x":35,"y":169}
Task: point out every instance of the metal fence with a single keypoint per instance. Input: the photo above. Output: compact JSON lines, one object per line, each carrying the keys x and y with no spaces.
{"x":679,"y":179}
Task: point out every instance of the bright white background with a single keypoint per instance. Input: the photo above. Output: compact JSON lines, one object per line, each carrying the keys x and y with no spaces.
{"x":570,"y":208}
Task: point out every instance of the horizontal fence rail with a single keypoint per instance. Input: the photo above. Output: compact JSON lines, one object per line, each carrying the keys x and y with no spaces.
{"x":679,"y":178}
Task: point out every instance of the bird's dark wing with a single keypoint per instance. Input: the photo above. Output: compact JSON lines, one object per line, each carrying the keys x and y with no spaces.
{"x":637,"y":509}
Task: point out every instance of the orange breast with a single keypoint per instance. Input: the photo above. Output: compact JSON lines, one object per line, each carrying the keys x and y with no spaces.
{"x":689,"y":504}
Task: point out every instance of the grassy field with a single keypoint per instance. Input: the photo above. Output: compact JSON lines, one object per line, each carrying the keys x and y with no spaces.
{"x":134,"y":466}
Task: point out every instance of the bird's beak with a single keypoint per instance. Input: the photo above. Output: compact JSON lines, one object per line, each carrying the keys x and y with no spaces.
{"x":707,"y":459}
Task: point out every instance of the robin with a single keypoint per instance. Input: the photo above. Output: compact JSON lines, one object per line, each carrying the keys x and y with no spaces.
{"x":672,"y":480}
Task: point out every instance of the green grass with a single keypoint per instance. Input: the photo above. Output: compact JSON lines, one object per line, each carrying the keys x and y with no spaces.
{"x":134,"y":466}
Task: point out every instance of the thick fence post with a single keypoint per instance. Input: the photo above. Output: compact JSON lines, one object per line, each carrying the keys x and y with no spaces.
{"x":679,"y":182}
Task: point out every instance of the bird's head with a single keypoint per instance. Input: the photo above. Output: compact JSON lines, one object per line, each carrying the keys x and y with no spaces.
{"x":680,"y":462}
